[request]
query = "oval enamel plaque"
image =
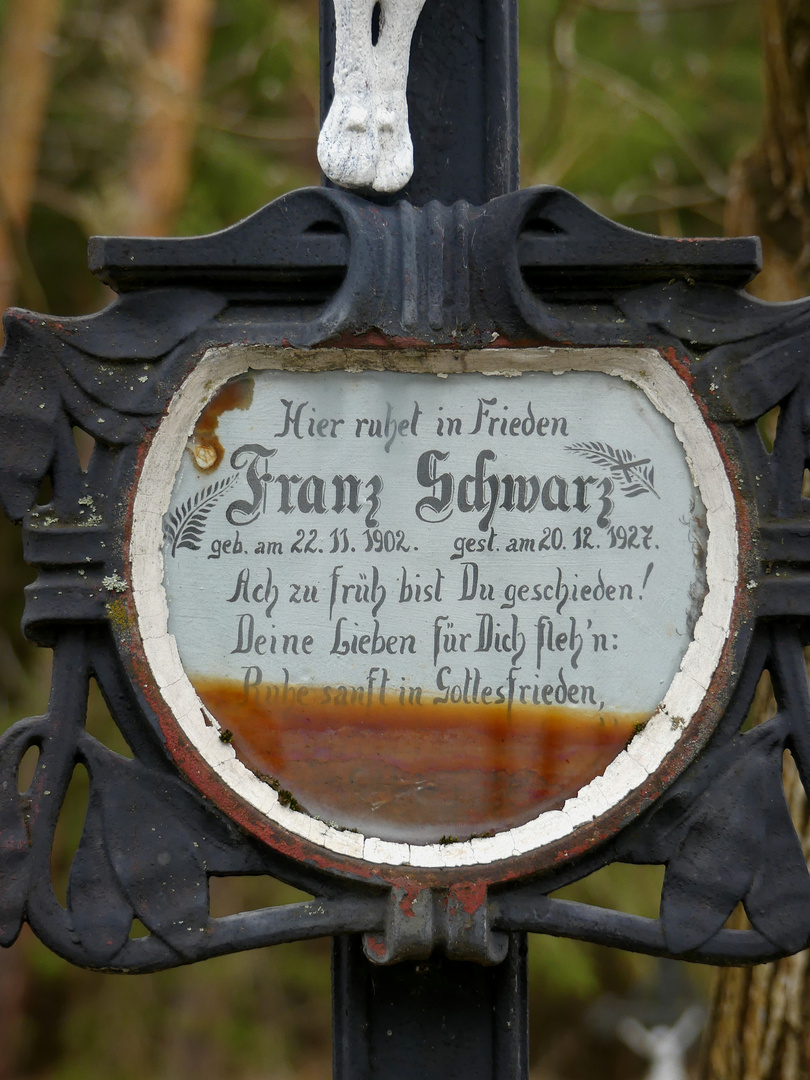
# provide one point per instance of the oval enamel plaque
(438, 615)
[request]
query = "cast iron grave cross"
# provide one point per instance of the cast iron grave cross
(428, 559)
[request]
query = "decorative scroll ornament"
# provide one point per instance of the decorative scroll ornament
(320, 270)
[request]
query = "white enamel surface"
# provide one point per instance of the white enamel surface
(365, 141)
(646, 752)
(639, 660)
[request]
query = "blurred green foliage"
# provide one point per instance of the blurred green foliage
(638, 107)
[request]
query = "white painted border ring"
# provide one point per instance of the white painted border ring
(647, 751)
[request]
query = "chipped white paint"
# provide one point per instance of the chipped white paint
(647, 750)
(384, 853)
(365, 141)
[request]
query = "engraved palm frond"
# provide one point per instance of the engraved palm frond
(636, 476)
(184, 526)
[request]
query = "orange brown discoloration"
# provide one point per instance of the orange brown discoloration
(205, 448)
(419, 773)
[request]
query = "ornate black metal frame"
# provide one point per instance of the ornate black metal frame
(320, 267)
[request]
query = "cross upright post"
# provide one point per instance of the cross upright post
(436, 1018)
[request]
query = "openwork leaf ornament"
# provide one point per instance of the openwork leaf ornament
(100, 911)
(15, 837)
(725, 835)
(635, 476)
(184, 527)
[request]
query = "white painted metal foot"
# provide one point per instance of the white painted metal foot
(365, 141)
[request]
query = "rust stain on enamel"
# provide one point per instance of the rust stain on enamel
(421, 773)
(205, 448)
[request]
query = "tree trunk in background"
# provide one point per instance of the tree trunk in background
(29, 29)
(770, 187)
(759, 1028)
(160, 162)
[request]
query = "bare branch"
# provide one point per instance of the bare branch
(639, 7)
(643, 100)
(170, 90)
(250, 127)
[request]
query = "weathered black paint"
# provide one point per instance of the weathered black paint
(429, 1019)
